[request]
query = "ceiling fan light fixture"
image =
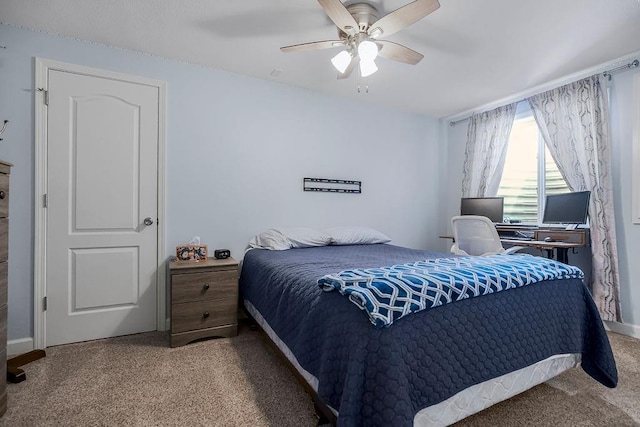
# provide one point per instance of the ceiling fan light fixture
(341, 61)
(367, 50)
(360, 27)
(367, 67)
(376, 32)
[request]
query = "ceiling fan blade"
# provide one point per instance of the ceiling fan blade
(402, 17)
(398, 52)
(340, 15)
(350, 68)
(325, 44)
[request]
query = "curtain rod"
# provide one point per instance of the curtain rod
(607, 74)
(632, 64)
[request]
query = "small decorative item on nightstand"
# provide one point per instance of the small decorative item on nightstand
(192, 251)
(204, 300)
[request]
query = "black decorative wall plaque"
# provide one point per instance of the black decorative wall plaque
(331, 185)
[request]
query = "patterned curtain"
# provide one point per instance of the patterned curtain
(487, 137)
(574, 122)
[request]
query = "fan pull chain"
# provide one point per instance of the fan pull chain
(366, 89)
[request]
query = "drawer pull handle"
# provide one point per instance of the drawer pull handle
(1, 194)
(205, 314)
(206, 287)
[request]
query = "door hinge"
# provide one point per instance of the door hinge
(46, 95)
(45, 200)
(44, 304)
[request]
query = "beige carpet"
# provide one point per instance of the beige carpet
(139, 381)
(574, 398)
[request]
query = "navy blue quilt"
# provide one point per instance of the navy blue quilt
(382, 377)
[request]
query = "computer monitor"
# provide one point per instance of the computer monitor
(491, 207)
(566, 208)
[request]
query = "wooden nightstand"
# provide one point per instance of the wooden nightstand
(204, 300)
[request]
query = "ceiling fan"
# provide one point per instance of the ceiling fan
(359, 30)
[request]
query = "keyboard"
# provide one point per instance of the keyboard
(515, 225)
(522, 238)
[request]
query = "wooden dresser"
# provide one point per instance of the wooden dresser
(5, 168)
(204, 300)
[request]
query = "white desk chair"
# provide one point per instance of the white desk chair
(477, 235)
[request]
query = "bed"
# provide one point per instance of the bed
(432, 367)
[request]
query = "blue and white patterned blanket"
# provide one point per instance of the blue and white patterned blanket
(390, 293)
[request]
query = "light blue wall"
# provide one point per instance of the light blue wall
(237, 150)
(628, 234)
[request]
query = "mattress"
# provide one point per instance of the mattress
(389, 376)
(463, 404)
(481, 396)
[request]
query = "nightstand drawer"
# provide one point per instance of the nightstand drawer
(203, 314)
(203, 286)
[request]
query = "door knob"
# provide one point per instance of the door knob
(148, 221)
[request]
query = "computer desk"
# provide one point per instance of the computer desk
(562, 240)
(561, 248)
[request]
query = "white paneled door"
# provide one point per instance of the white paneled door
(101, 239)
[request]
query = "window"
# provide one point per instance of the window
(529, 173)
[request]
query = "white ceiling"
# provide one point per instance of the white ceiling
(475, 52)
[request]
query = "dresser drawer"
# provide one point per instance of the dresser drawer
(203, 314)
(3, 326)
(4, 239)
(4, 195)
(3, 390)
(3, 286)
(203, 286)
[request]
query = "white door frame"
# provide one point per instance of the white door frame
(40, 226)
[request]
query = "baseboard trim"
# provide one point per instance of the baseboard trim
(24, 345)
(623, 328)
(19, 346)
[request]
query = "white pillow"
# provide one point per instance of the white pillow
(303, 237)
(355, 236)
(286, 238)
(270, 239)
